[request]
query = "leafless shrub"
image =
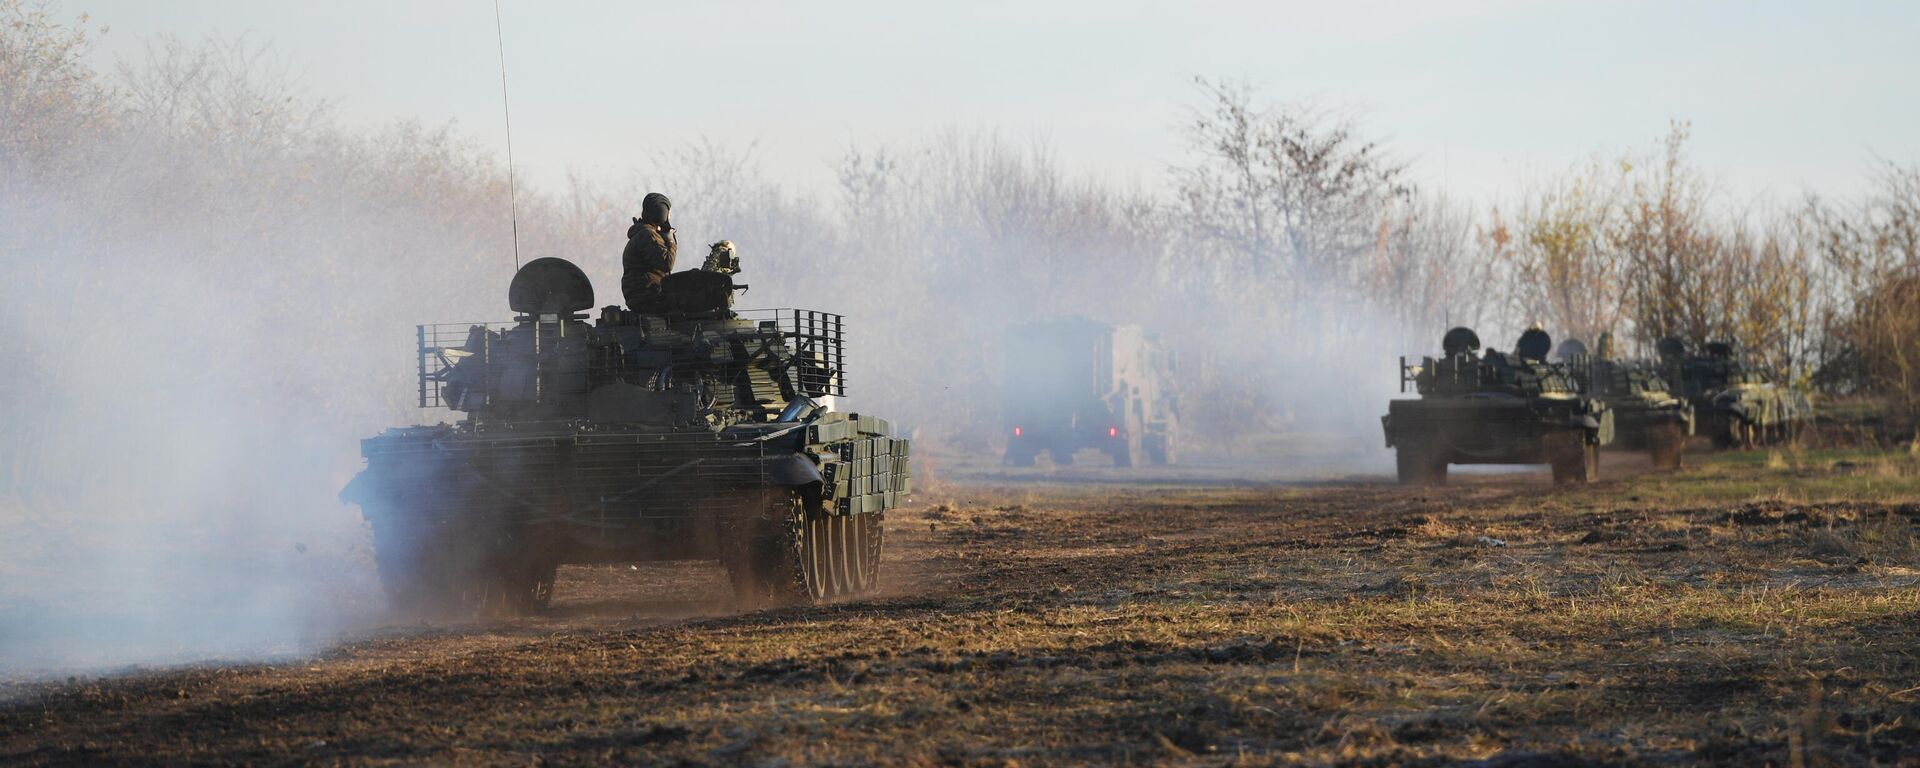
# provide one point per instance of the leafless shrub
(1871, 319)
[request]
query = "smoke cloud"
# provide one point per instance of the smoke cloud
(211, 287)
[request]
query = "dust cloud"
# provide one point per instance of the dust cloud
(208, 299)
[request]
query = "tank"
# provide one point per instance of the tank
(1736, 404)
(1648, 414)
(1496, 408)
(703, 433)
(1074, 384)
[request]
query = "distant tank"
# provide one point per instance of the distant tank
(1737, 405)
(1647, 413)
(1496, 408)
(701, 433)
(1074, 384)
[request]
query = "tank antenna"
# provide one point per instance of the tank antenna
(513, 202)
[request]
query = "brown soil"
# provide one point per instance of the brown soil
(1501, 620)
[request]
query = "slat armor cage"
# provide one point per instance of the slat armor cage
(816, 339)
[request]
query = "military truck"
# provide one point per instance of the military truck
(1074, 384)
(1736, 404)
(1648, 414)
(1494, 409)
(702, 433)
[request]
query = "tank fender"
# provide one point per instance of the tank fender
(1598, 426)
(793, 470)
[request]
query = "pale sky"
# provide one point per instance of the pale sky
(1481, 95)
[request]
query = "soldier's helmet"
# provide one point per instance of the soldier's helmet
(1534, 344)
(1671, 346)
(1603, 349)
(1460, 341)
(722, 258)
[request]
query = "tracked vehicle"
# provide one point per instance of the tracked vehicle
(1648, 414)
(1737, 405)
(703, 433)
(1494, 409)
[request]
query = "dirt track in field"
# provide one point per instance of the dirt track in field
(1039, 623)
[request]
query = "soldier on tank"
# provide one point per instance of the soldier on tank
(648, 258)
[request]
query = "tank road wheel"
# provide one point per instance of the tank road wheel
(858, 547)
(1574, 460)
(1665, 444)
(775, 553)
(820, 560)
(850, 553)
(868, 530)
(1420, 465)
(783, 554)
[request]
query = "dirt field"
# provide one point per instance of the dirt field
(1756, 609)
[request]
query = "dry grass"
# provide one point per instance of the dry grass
(1736, 613)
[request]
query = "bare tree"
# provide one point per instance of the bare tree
(1673, 255)
(1871, 316)
(1285, 194)
(1562, 271)
(51, 102)
(1426, 272)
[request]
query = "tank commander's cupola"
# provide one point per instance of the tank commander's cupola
(1534, 344)
(550, 287)
(1460, 341)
